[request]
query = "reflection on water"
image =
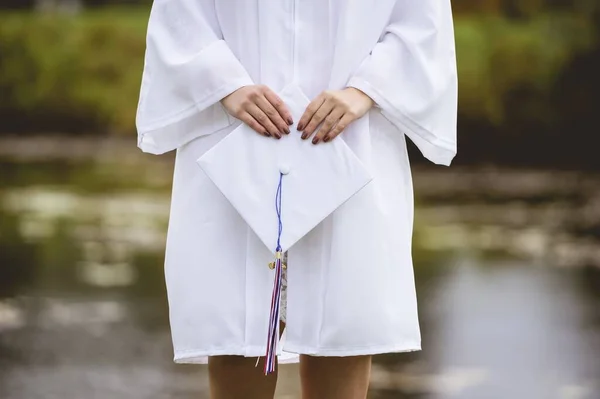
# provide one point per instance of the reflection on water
(507, 330)
(83, 310)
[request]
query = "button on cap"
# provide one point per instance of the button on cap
(284, 169)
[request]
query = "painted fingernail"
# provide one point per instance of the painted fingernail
(315, 141)
(290, 121)
(278, 136)
(267, 134)
(304, 136)
(326, 139)
(287, 130)
(300, 127)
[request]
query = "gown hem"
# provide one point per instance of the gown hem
(291, 352)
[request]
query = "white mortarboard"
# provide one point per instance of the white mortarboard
(283, 188)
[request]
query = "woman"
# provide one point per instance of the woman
(375, 71)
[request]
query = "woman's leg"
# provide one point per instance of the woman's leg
(236, 377)
(335, 377)
(233, 377)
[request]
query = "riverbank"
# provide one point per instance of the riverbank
(550, 217)
(528, 91)
(504, 258)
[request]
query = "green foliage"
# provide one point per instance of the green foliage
(82, 73)
(497, 56)
(67, 73)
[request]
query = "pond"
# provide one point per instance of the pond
(507, 267)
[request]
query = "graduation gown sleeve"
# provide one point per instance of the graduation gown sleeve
(188, 68)
(411, 75)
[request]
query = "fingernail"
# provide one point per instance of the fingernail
(290, 121)
(326, 139)
(315, 141)
(287, 130)
(267, 134)
(304, 137)
(300, 127)
(278, 136)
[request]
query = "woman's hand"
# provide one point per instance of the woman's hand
(335, 110)
(261, 109)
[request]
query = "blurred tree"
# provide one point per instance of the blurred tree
(522, 9)
(69, 6)
(525, 80)
(576, 97)
(17, 4)
(97, 3)
(477, 6)
(61, 4)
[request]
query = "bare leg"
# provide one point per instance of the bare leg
(238, 377)
(235, 377)
(335, 377)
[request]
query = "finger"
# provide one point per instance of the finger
(310, 111)
(330, 121)
(339, 127)
(273, 114)
(264, 120)
(279, 105)
(318, 117)
(253, 123)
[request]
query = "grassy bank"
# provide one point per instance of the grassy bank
(74, 74)
(81, 73)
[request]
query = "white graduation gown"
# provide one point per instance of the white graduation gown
(350, 289)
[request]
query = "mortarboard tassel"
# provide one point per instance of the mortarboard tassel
(278, 266)
(273, 336)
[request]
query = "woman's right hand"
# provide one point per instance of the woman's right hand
(261, 109)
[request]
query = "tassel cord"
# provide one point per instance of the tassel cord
(278, 210)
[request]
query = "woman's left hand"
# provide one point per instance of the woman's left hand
(335, 110)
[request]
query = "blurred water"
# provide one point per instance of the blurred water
(507, 273)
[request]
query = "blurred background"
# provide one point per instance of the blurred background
(506, 245)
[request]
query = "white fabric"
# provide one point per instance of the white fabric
(350, 280)
(331, 171)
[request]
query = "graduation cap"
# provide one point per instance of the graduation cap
(283, 188)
